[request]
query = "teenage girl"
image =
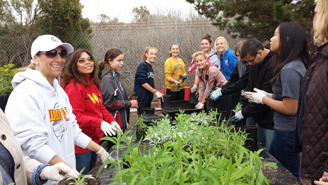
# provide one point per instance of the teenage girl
(292, 57)
(227, 56)
(212, 57)
(112, 89)
(144, 85)
(210, 78)
(175, 74)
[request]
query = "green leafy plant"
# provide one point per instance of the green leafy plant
(238, 107)
(192, 152)
(6, 75)
(80, 179)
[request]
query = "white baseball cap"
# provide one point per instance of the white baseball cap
(47, 43)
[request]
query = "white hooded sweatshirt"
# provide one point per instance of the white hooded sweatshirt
(42, 120)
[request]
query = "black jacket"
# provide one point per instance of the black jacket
(236, 82)
(115, 97)
(259, 77)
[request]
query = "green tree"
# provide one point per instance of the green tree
(140, 14)
(255, 18)
(63, 18)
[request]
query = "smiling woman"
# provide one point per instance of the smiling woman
(81, 84)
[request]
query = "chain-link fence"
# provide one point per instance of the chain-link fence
(132, 40)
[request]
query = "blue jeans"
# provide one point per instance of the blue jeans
(250, 121)
(282, 149)
(87, 160)
(264, 136)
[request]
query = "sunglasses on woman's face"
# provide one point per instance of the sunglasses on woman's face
(83, 59)
(53, 53)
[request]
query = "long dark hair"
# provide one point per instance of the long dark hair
(293, 44)
(110, 54)
(71, 71)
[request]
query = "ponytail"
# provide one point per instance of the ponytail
(101, 67)
(110, 54)
(144, 57)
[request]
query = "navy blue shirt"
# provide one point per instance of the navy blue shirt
(144, 74)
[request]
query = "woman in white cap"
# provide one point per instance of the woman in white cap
(39, 111)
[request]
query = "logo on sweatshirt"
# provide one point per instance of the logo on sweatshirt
(58, 117)
(57, 114)
(94, 98)
(150, 74)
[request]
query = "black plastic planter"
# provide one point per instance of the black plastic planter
(251, 142)
(192, 98)
(167, 100)
(145, 110)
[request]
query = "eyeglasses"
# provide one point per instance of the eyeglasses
(251, 61)
(53, 53)
(83, 59)
(313, 13)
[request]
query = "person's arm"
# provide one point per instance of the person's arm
(149, 88)
(287, 106)
(201, 90)
(108, 88)
(196, 82)
(290, 86)
(238, 85)
(213, 74)
(254, 108)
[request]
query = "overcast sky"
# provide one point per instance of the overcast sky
(122, 9)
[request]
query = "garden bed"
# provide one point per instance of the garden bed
(181, 156)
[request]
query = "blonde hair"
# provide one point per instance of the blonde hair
(30, 66)
(225, 40)
(196, 54)
(320, 36)
(147, 49)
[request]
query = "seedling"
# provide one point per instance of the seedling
(238, 107)
(80, 179)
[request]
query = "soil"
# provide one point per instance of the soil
(94, 181)
(279, 177)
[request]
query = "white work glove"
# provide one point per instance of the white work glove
(270, 95)
(215, 95)
(256, 97)
(104, 155)
(177, 83)
(159, 95)
(108, 129)
(53, 172)
(199, 105)
(193, 89)
(117, 126)
(238, 116)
